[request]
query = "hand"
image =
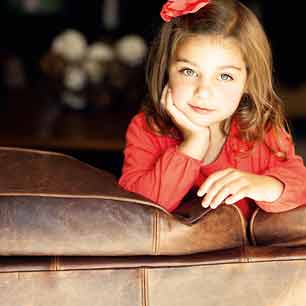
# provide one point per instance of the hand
(182, 122)
(231, 185)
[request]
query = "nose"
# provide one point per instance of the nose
(203, 90)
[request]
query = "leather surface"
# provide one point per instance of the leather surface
(72, 288)
(64, 263)
(41, 173)
(219, 229)
(258, 276)
(279, 229)
(246, 254)
(71, 226)
(52, 204)
(252, 284)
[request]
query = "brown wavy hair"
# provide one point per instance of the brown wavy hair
(260, 109)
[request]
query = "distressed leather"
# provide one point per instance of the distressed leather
(52, 204)
(279, 229)
(70, 236)
(251, 275)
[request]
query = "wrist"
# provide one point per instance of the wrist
(195, 147)
(277, 188)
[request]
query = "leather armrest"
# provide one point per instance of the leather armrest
(53, 204)
(279, 229)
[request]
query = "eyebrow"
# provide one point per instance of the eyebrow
(219, 67)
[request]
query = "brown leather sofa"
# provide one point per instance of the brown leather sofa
(71, 236)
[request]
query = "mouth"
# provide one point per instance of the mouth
(201, 110)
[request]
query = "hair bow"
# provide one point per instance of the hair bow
(175, 8)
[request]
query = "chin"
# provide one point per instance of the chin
(200, 121)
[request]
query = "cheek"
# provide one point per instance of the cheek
(233, 97)
(181, 92)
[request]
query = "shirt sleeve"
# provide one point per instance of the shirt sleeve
(290, 171)
(158, 172)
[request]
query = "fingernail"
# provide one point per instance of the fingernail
(204, 205)
(228, 202)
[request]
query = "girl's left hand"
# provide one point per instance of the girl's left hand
(231, 185)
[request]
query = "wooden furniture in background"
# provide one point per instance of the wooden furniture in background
(30, 120)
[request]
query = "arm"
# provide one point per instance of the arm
(291, 172)
(155, 168)
(278, 186)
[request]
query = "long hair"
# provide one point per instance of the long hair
(260, 109)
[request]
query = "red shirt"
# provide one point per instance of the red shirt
(154, 168)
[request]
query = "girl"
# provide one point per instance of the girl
(212, 120)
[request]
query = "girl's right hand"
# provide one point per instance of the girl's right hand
(196, 138)
(189, 129)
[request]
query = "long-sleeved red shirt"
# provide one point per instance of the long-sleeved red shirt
(154, 168)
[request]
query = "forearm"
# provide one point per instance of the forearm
(290, 171)
(166, 182)
(294, 192)
(195, 147)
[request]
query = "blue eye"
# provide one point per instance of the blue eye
(188, 72)
(225, 77)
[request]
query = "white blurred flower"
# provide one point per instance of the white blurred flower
(94, 70)
(73, 100)
(131, 49)
(75, 78)
(70, 44)
(100, 51)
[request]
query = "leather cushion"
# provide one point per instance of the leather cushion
(53, 204)
(279, 229)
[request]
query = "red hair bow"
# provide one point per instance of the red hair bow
(175, 8)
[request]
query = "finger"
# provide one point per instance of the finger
(212, 179)
(170, 108)
(217, 200)
(168, 98)
(169, 105)
(239, 195)
(229, 189)
(164, 95)
(177, 116)
(220, 189)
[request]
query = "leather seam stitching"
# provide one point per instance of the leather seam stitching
(243, 223)
(141, 277)
(252, 226)
(154, 238)
(92, 196)
(157, 233)
(244, 235)
(146, 286)
(144, 291)
(57, 263)
(54, 264)
(143, 287)
(40, 152)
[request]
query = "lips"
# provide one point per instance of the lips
(201, 110)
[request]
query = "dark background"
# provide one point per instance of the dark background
(29, 35)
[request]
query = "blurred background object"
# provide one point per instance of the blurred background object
(102, 75)
(72, 71)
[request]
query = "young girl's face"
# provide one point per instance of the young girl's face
(207, 75)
